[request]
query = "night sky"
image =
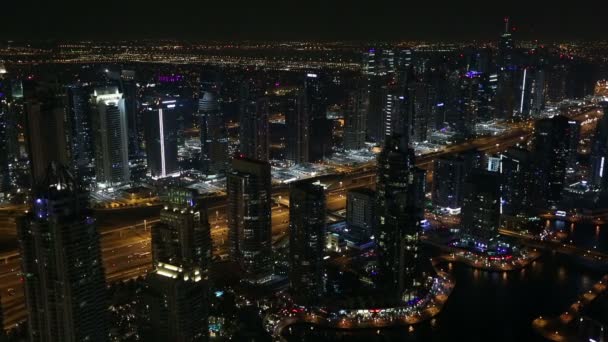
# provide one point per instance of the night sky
(297, 19)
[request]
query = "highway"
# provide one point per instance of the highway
(126, 250)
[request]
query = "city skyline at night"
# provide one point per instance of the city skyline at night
(303, 172)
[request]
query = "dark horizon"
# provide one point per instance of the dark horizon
(114, 20)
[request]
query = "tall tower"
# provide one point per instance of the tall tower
(482, 206)
(506, 98)
(79, 125)
(249, 196)
(398, 225)
(214, 142)
(160, 123)
(355, 118)
(46, 131)
(8, 131)
(129, 90)
(111, 138)
(177, 295)
(555, 143)
(599, 153)
(315, 106)
(254, 127)
(306, 241)
(61, 261)
(448, 182)
(298, 127)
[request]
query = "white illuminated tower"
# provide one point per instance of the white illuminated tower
(111, 138)
(160, 123)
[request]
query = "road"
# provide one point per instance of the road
(126, 250)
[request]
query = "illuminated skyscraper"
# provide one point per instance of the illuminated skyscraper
(398, 226)
(481, 204)
(214, 142)
(306, 241)
(249, 225)
(61, 262)
(79, 126)
(298, 128)
(315, 106)
(129, 89)
(448, 182)
(8, 134)
(177, 295)
(111, 137)
(505, 100)
(555, 144)
(599, 153)
(355, 119)
(516, 166)
(254, 128)
(160, 123)
(360, 211)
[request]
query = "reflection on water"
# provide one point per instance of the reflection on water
(486, 306)
(583, 234)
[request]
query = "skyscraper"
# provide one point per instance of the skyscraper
(160, 123)
(46, 131)
(505, 101)
(79, 126)
(8, 136)
(419, 109)
(61, 261)
(360, 211)
(306, 241)
(398, 220)
(249, 225)
(111, 137)
(448, 182)
(516, 166)
(298, 127)
(129, 89)
(177, 295)
(254, 129)
(315, 106)
(355, 118)
(214, 142)
(599, 153)
(555, 143)
(481, 205)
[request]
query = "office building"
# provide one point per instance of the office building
(306, 241)
(177, 291)
(481, 205)
(355, 117)
(398, 220)
(249, 225)
(61, 262)
(214, 142)
(128, 88)
(599, 153)
(360, 212)
(315, 106)
(80, 133)
(160, 130)
(254, 128)
(298, 128)
(45, 129)
(516, 188)
(448, 182)
(111, 136)
(555, 143)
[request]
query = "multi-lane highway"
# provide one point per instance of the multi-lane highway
(126, 250)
